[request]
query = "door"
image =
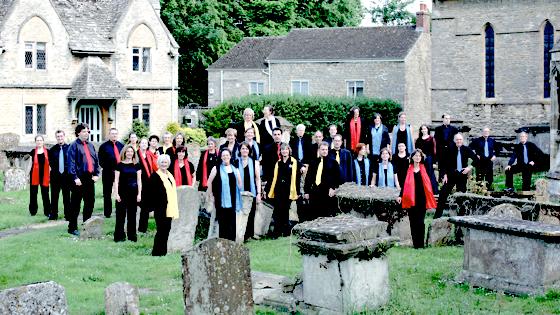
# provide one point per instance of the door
(91, 115)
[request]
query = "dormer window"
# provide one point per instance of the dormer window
(141, 59)
(35, 55)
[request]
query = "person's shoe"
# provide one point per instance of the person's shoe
(75, 232)
(53, 217)
(508, 190)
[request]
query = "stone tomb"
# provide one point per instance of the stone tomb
(181, 235)
(217, 278)
(344, 264)
(44, 298)
(510, 255)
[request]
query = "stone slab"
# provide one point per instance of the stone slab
(506, 210)
(45, 298)
(217, 278)
(181, 235)
(92, 229)
(401, 229)
(340, 229)
(440, 232)
(121, 298)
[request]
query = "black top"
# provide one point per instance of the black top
(217, 189)
(234, 151)
(266, 138)
(443, 136)
(376, 171)
(246, 178)
(427, 145)
(269, 158)
(466, 154)
(401, 136)
(330, 177)
(41, 160)
(346, 166)
(306, 145)
(284, 179)
(127, 175)
(54, 153)
(158, 195)
(213, 160)
(533, 153)
(401, 167)
(183, 171)
(362, 167)
(107, 158)
(478, 144)
(77, 160)
(419, 193)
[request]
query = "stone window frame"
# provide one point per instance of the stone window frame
(142, 65)
(292, 82)
(354, 93)
(545, 65)
(34, 126)
(141, 109)
(31, 48)
(259, 86)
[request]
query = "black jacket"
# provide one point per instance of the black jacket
(443, 144)
(466, 154)
(54, 155)
(107, 158)
(213, 160)
(533, 153)
(307, 148)
(346, 167)
(266, 138)
(157, 193)
(330, 177)
(477, 145)
(77, 161)
(269, 159)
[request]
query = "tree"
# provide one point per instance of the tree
(207, 29)
(392, 12)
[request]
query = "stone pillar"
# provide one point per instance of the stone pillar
(181, 235)
(344, 265)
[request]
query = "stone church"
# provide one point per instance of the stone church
(104, 62)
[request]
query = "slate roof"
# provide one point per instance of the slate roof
(250, 53)
(95, 81)
(346, 43)
(5, 6)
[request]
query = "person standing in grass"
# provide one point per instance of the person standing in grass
(400, 162)
(322, 178)
(183, 169)
(39, 176)
(59, 176)
(128, 193)
(109, 157)
(417, 196)
(163, 199)
(83, 167)
(224, 187)
(148, 163)
(208, 159)
(525, 155)
(250, 172)
(363, 168)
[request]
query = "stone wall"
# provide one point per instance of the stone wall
(235, 83)
(417, 99)
(458, 55)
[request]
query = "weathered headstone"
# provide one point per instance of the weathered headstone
(15, 179)
(217, 278)
(344, 265)
(548, 219)
(214, 226)
(541, 191)
(401, 229)
(45, 298)
(92, 228)
(263, 217)
(7, 141)
(440, 232)
(181, 235)
(510, 255)
(121, 298)
(242, 217)
(506, 210)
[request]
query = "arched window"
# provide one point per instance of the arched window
(548, 44)
(489, 61)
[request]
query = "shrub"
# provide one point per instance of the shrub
(316, 112)
(196, 135)
(139, 128)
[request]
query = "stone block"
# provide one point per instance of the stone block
(92, 228)
(45, 298)
(401, 229)
(263, 217)
(440, 232)
(15, 179)
(121, 298)
(505, 210)
(514, 256)
(181, 235)
(548, 219)
(242, 217)
(217, 278)
(541, 193)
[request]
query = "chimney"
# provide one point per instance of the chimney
(423, 19)
(157, 6)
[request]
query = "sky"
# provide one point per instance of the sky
(412, 8)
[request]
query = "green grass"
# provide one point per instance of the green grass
(500, 180)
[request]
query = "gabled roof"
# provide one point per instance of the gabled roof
(250, 53)
(95, 81)
(346, 43)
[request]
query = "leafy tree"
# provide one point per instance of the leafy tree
(207, 29)
(392, 12)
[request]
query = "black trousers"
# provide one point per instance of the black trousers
(144, 218)
(453, 179)
(321, 205)
(526, 171)
(417, 229)
(226, 219)
(126, 211)
(163, 226)
(60, 183)
(281, 215)
(108, 178)
(485, 171)
(33, 191)
(85, 192)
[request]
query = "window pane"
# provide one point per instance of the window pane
(41, 119)
(305, 88)
(29, 59)
(548, 44)
(260, 88)
(135, 111)
(146, 60)
(489, 66)
(146, 114)
(359, 91)
(29, 119)
(360, 84)
(41, 56)
(135, 63)
(295, 87)
(252, 88)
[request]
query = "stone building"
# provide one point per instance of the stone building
(386, 62)
(104, 62)
(491, 62)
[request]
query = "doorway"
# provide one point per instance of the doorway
(91, 115)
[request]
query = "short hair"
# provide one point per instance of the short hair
(300, 126)
(182, 149)
(231, 131)
(400, 114)
(524, 133)
(421, 154)
(276, 128)
(59, 131)
(285, 145)
(80, 127)
(212, 139)
(153, 137)
(249, 111)
(113, 128)
(142, 139)
(225, 150)
(359, 146)
(385, 150)
(445, 114)
(123, 153)
(375, 115)
(250, 128)
(167, 133)
(247, 145)
(39, 136)
(333, 125)
(270, 108)
(162, 158)
(324, 144)
(457, 135)
(337, 135)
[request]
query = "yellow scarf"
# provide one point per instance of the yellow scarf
(338, 156)
(257, 133)
(293, 191)
(172, 210)
(319, 173)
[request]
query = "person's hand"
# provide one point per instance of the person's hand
(532, 163)
(306, 196)
(138, 198)
(302, 169)
(78, 182)
(508, 168)
(493, 158)
(95, 178)
(466, 170)
(444, 179)
(331, 192)
(399, 199)
(259, 198)
(117, 197)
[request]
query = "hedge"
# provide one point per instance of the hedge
(315, 112)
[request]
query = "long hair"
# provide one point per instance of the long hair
(123, 153)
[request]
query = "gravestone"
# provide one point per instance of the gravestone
(121, 298)
(44, 298)
(7, 141)
(344, 265)
(506, 210)
(217, 278)
(541, 191)
(15, 179)
(242, 217)
(440, 232)
(510, 255)
(181, 235)
(263, 217)
(92, 229)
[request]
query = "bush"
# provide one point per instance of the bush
(316, 112)
(196, 135)
(139, 128)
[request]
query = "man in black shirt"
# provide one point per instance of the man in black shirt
(525, 153)
(444, 141)
(271, 154)
(485, 148)
(59, 176)
(322, 178)
(344, 159)
(109, 157)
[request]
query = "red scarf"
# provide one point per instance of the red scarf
(177, 173)
(116, 152)
(408, 198)
(35, 169)
(205, 168)
(355, 132)
(88, 157)
(145, 164)
(152, 159)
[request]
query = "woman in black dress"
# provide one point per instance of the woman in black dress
(231, 143)
(39, 176)
(402, 133)
(224, 186)
(401, 162)
(183, 169)
(250, 172)
(363, 168)
(427, 144)
(148, 163)
(128, 193)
